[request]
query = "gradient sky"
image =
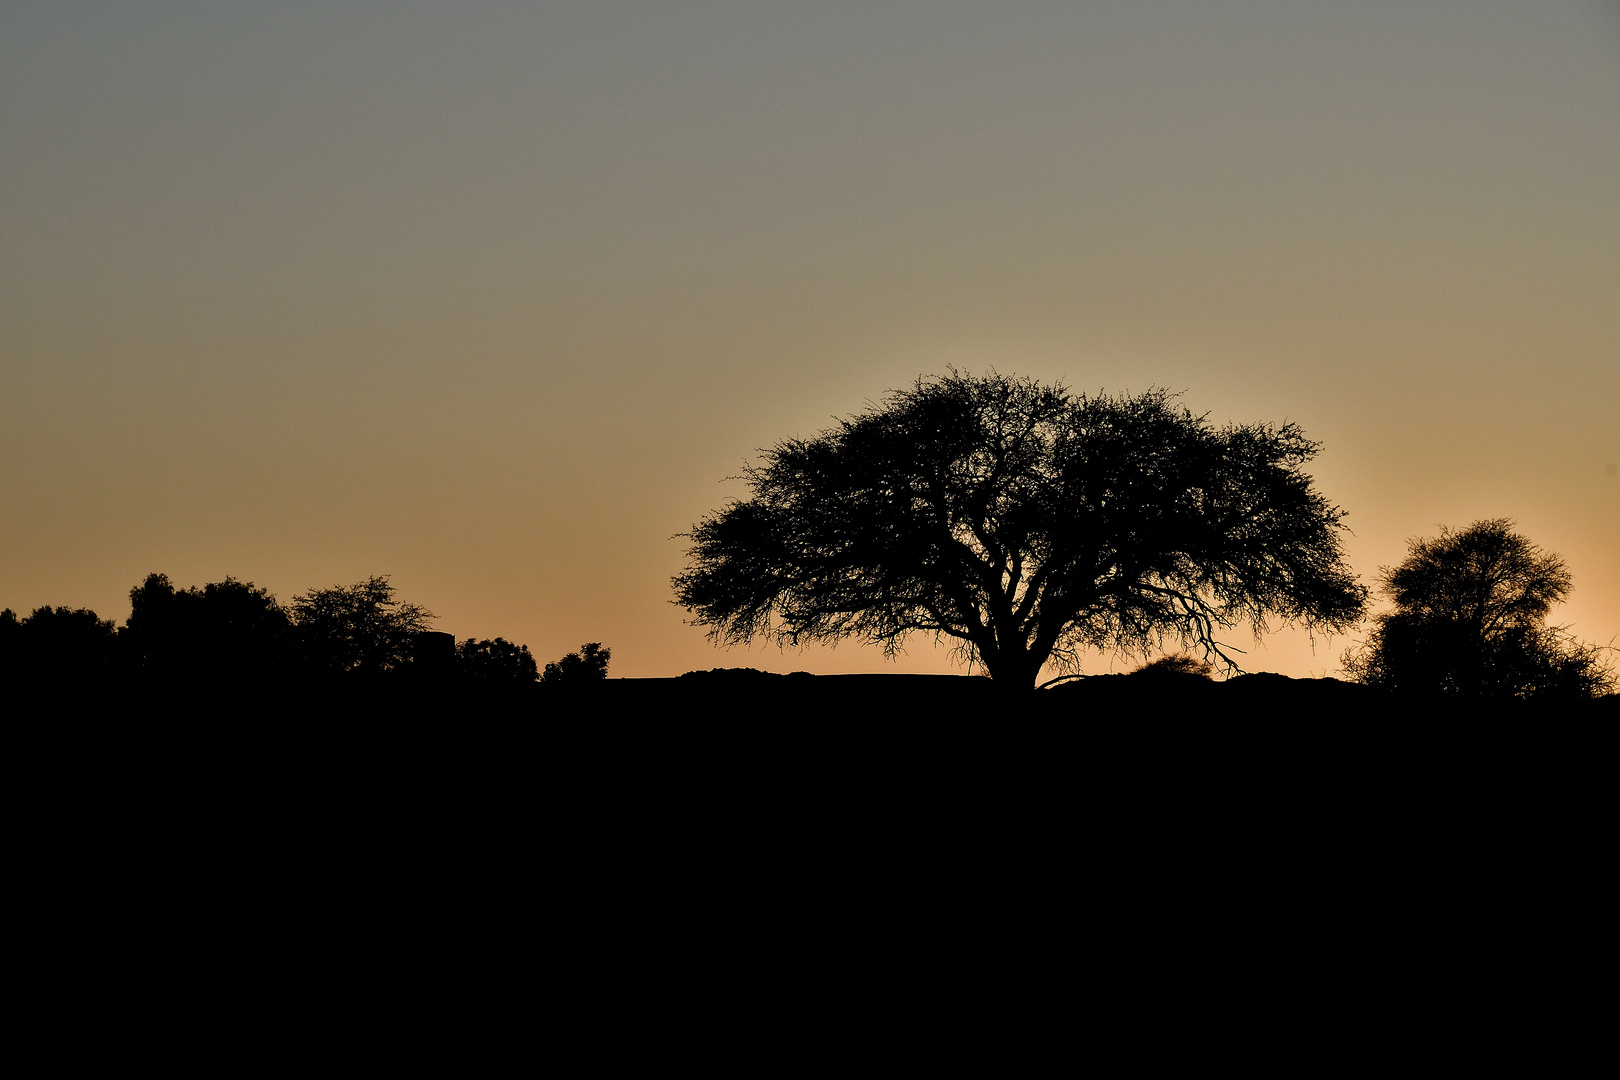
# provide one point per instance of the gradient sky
(491, 297)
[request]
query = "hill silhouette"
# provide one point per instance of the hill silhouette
(617, 836)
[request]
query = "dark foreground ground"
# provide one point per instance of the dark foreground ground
(630, 840)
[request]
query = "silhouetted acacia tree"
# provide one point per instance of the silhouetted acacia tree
(496, 660)
(1024, 523)
(590, 663)
(359, 629)
(225, 630)
(1470, 621)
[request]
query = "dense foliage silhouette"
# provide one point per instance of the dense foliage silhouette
(225, 630)
(588, 665)
(496, 661)
(204, 644)
(1024, 523)
(72, 648)
(1176, 666)
(1470, 621)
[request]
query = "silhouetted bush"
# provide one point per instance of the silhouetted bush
(1469, 621)
(590, 663)
(496, 660)
(1178, 666)
(741, 674)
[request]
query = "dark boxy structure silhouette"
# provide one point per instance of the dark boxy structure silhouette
(433, 654)
(1023, 523)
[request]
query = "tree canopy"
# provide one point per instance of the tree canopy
(590, 664)
(360, 628)
(1469, 620)
(202, 640)
(224, 630)
(495, 660)
(1024, 523)
(69, 647)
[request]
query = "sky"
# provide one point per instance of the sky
(493, 297)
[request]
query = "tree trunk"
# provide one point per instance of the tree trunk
(1014, 671)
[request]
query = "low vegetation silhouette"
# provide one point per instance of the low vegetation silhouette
(495, 661)
(1469, 621)
(1178, 665)
(1024, 523)
(588, 665)
(232, 633)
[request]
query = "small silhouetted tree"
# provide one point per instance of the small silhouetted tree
(1024, 523)
(495, 660)
(1469, 621)
(590, 663)
(361, 629)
